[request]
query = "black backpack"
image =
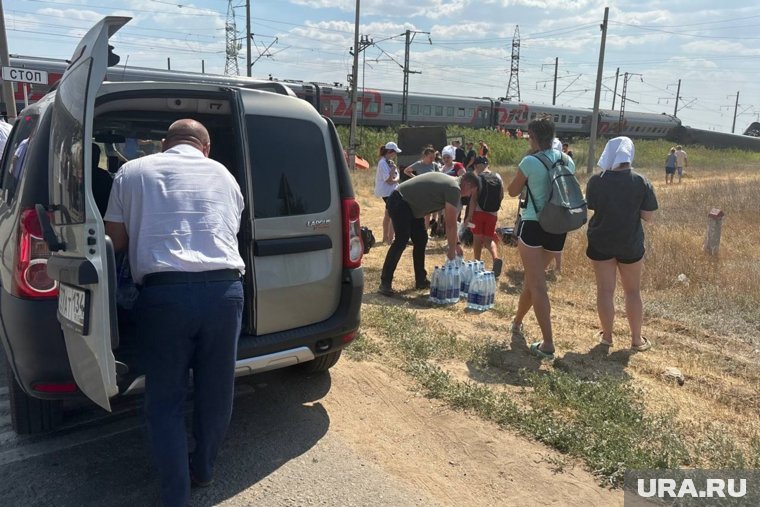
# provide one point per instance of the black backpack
(490, 192)
(368, 239)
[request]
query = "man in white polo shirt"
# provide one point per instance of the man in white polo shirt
(178, 214)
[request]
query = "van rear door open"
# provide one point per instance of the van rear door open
(82, 261)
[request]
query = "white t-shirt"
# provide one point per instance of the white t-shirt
(5, 130)
(181, 211)
(382, 187)
(681, 158)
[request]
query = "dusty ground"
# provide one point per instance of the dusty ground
(462, 460)
(449, 456)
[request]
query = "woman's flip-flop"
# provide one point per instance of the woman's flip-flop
(534, 349)
(642, 347)
(602, 341)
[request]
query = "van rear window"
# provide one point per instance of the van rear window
(291, 175)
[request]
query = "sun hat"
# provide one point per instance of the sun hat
(392, 146)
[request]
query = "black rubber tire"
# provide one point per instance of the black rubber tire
(321, 363)
(31, 415)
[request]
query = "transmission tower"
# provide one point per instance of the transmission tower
(513, 88)
(232, 44)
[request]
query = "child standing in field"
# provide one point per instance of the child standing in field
(670, 166)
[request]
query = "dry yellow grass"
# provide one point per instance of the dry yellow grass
(708, 329)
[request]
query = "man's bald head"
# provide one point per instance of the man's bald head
(187, 131)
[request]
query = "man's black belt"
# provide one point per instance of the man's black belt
(174, 277)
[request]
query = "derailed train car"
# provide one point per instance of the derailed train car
(711, 139)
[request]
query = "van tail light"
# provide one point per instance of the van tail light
(352, 234)
(31, 279)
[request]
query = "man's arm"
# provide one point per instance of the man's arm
(450, 215)
(118, 233)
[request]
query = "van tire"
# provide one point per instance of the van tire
(30, 415)
(321, 363)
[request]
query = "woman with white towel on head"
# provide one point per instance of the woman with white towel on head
(621, 199)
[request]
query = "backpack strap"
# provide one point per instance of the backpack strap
(543, 159)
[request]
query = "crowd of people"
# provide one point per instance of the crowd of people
(619, 197)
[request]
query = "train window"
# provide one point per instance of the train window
(372, 107)
(399, 108)
(562, 120)
(556, 118)
(449, 111)
(427, 110)
(415, 109)
(439, 110)
(387, 108)
(577, 119)
(460, 112)
(470, 112)
(532, 116)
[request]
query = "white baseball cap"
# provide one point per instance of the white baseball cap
(392, 146)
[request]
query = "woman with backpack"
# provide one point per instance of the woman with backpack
(536, 247)
(621, 199)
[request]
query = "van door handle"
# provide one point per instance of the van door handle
(48, 234)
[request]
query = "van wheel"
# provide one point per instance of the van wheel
(321, 363)
(31, 415)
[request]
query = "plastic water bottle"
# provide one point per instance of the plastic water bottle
(471, 296)
(455, 283)
(449, 290)
(466, 276)
(491, 290)
(435, 283)
(475, 296)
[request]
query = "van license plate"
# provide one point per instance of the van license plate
(73, 308)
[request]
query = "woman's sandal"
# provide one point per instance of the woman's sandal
(602, 341)
(535, 350)
(642, 347)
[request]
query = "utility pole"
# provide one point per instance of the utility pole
(597, 94)
(513, 87)
(614, 92)
(410, 34)
(622, 101)
(678, 94)
(354, 85)
(736, 108)
(622, 105)
(8, 96)
(554, 93)
(231, 44)
(248, 63)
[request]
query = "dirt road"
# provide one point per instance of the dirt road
(356, 437)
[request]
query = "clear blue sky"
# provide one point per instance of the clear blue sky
(711, 46)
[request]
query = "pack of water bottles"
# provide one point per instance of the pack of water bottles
(445, 284)
(459, 279)
(482, 291)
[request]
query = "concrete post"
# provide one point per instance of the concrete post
(712, 238)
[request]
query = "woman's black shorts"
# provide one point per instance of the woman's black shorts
(533, 236)
(595, 255)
